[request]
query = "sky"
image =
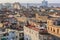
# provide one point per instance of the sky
(29, 1)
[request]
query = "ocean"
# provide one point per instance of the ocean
(39, 4)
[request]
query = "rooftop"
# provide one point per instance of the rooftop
(40, 29)
(32, 27)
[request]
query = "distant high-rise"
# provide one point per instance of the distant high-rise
(1, 6)
(44, 3)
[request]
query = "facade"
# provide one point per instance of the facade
(53, 27)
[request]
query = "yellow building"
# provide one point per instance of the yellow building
(21, 19)
(53, 27)
(41, 18)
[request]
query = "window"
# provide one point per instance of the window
(53, 30)
(48, 28)
(32, 32)
(44, 39)
(56, 23)
(36, 34)
(29, 31)
(26, 38)
(57, 30)
(21, 34)
(30, 39)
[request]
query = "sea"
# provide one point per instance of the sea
(39, 4)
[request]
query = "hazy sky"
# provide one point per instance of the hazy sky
(29, 1)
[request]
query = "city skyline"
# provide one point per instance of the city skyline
(29, 1)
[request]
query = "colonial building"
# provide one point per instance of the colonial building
(53, 27)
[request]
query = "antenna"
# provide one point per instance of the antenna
(43, 0)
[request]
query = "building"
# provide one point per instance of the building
(44, 3)
(54, 14)
(21, 19)
(19, 34)
(16, 5)
(41, 18)
(53, 27)
(32, 32)
(11, 34)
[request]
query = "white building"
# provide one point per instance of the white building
(32, 32)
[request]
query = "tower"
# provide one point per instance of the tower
(44, 3)
(16, 5)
